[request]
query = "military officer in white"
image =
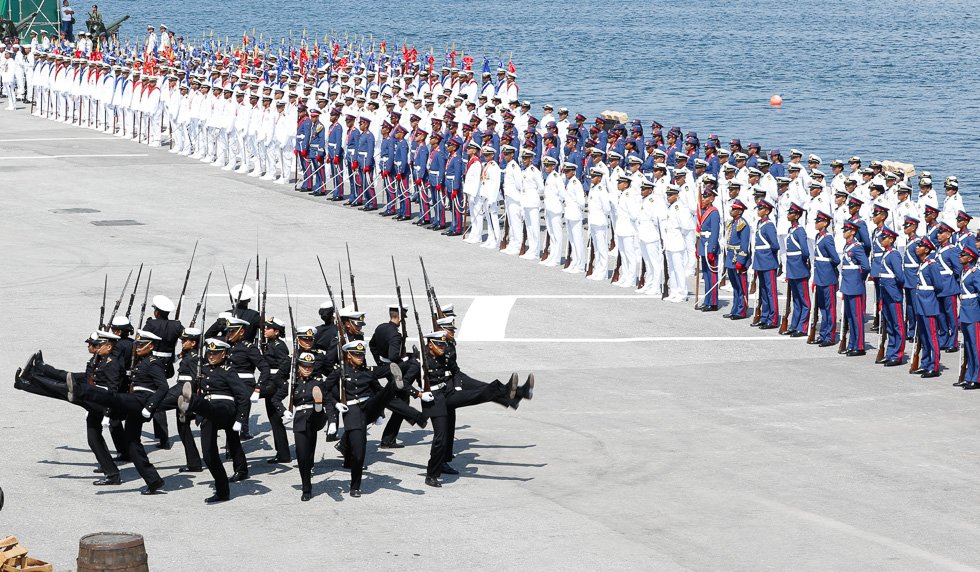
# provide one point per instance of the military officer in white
(953, 203)
(649, 237)
(598, 201)
(905, 208)
(513, 192)
(554, 206)
(677, 220)
(574, 199)
(472, 178)
(927, 195)
(532, 189)
(489, 197)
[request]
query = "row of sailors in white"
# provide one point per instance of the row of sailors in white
(14, 65)
(455, 83)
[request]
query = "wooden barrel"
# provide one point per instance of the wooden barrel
(111, 551)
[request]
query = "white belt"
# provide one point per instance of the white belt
(797, 253)
(138, 388)
(385, 360)
(218, 397)
(925, 287)
(967, 296)
(706, 233)
(102, 386)
(437, 386)
(303, 407)
(850, 266)
(185, 378)
(822, 258)
(246, 376)
(274, 371)
(358, 400)
(910, 265)
(163, 354)
(945, 272)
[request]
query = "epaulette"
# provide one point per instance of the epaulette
(741, 224)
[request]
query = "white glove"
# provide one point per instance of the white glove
(237, 427)
(380, 420)
(254, 398)
(146, 413)
(427, 396)
(287, 416)
(332, 429)
(105, 421)
(342, 408)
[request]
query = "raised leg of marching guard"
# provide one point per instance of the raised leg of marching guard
(708, 246)
(927, 309)
(947, 257)
(765, 262)
(854, 273)
(222, 402)
(825, 280)
(970, 316)
(360, 399)
(891, 281)
(309, 417)
(797, 273)
(737, 260)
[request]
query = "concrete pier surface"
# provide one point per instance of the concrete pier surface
(659, 438)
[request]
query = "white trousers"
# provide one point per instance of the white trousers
(600, 243)
(677, 268)
(532, 222)
(556, 236)
(652, 253)
(577, 239)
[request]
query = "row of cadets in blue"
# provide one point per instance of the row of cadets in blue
(401, 171)
(765, 261)
(317, 150)
(927, 310)
(709, 229)
(387, 165)
(335, 153)
(798, 272)
(303, 130)
(825, 280)
(737, 260)
(970, 315)
(910, 265)
(948, 258)
(891, 284)
(854, 270)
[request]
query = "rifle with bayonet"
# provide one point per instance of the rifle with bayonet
(200, 303)
(423, 347)
(340, 342)
(105, 287)
(187, 276)
(293, 357)
(132, 295)
(340, 280)
(119, 300)
(350, 273)
(431, 291)
(146, 296)
(401, 316)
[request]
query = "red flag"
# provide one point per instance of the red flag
(467, 63)
(510, 67)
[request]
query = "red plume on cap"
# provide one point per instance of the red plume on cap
(510, 67)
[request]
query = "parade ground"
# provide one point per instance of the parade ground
(659, 438)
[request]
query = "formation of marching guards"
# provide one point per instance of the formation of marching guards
(322, 381)
(646, 206)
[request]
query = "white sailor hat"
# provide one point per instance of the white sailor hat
(511, 149)
(216, 345)
(680, 154)
(102, 335)
(889, 175)
(793, 152)
(794, 167)
(700, 163)
(816, 184)
(659, 152)
(275, 323)
(741, 156)
(729, 167)
(569, 166)
(232, 322)
(306, 359)
(147, 336)
(241, 292)
(488, 149)
(326, 305)
(306, 332)
(624, 179)
(925, 182)
(546, 159)
(614, 155)
(448, 323)
(595, 172)
(811, 158)
(755, 172)
(473, 145)
(355, 346)
(120, 322)
(393, 307)
(660, 165)
(191, 332)
(350, 312)
(163, 304)
(634, 160)
(224, 315)
(438, 337)
(93, 338)
(449, 309)
(673, 189)
(854, 159)
(817, 173)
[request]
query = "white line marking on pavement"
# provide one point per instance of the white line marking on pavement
(486, 319)
(32, 157)
(106, 138)
(648, 339)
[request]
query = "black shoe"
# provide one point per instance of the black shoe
(215, 499)
(332, 437)
(726, 315)
(186, 469)
(959, 384)
(238, 476)
(152, 488)
(278, 461)
(785, 333)
(709, 309)
(755, 324)
(452, 233)
(164, 444)
(952, 350)
(971, 385)
(98, 470)
(356, 493)
(18, 382)
(305, 497)
(892, 362)
(827, 344)
(121, 459)
(512, 387)
(433, 482)
(797, 335)
(736, 318)
(528, 388)
(390, 445)
(855, 353)
(448, 469)
(918, 371)
(767, 327)
(108, 481)
(246, 436)
(370, 209)
(929, 374)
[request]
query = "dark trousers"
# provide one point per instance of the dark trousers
(137, 453)
(279, 438)
(161, 429)
(96, 442)
(355, 431)
(129, 406)
(441, 441)
(306, 448)
(479, 393)
(193, 458)
(399, 406)
(394, 424)
(219, 415)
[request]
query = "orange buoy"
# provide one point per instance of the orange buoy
(775, 101)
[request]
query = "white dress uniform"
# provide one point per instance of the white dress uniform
(677, 221)
(653, 211)
(554, 210)
(513, 192)
(627, 212)
(951, 206)
(598, 202)
(904, 209)
(471, 189)
(574, 199)
(489, 199)
(8, 76)
(531, 191)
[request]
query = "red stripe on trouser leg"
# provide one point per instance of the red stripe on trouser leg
(934, 342)
(775, 299)
(901, 330)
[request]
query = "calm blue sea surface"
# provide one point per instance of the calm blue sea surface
(883, 80)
